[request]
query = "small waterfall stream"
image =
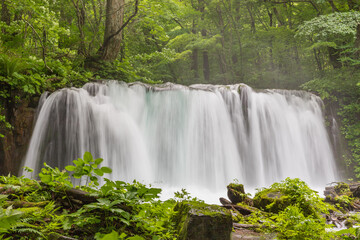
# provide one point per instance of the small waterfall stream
(202, 136)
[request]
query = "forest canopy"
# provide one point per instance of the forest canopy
(278, 44)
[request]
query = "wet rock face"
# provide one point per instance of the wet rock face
(200, 221)
(14, 145)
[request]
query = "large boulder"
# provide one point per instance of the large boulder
(271, 200)
(200, 221)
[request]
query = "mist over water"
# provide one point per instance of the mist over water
(200, 137)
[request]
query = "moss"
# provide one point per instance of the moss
(343, 202)
(270, 200)
(196, 220)
(237, 187)
(349, 223)
(250, 208)
(342, 189)
(236, 193)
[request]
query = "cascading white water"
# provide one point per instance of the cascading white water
(202, 136)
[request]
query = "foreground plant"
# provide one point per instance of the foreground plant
(291, 210)
(49, 209)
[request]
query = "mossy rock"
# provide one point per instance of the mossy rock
(270, 200)
(200, 221)
(236, 193)
(342, 189)
(246, 206)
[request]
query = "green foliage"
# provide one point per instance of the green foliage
(124, 206)
(54, 177)
(154, 219)
(122, 210)
(8, 219)
(338, 27)
(294, 192)
(103, 214)
(110, 236)
(89, 168)
(348, 234)
(340, 87)
(292, 224)
(135, 192)
(300, 218)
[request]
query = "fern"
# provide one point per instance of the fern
(29, 232)
(9, 66)
(27, 220)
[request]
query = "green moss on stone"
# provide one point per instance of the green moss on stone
(270, 200)
(236, 193)
(197, 221)
(342, 189)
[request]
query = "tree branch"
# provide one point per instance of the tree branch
(41, 43)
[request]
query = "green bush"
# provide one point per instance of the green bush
(291, 192)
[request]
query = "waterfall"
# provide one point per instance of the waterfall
(202, 136)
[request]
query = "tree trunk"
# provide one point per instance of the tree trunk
(5, 14)
(195, 63)
(334, 8)
(278, 17)
(195, 57)
(222, 53)
(206, 65)
(317, 58)
(357, 41)
(253, 28)
(271, 42)
(351, 4)
(114, 21)
(334, 56)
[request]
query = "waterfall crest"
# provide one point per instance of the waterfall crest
(201, 135)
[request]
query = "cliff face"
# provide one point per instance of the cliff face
(338, 141)
(14, 145)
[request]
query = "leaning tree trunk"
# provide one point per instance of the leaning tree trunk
(114, 21)
(357, 43)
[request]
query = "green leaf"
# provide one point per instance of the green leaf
(98, 172)
(70, 168)
(79, 162)
(106, 170)
(93, 178)
(27, 169)
(104, 201)
(98, 161)
(111, 236)
(87, 157)
(45, 178)
(137, 237)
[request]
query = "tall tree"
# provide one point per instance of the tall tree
(114, 25)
